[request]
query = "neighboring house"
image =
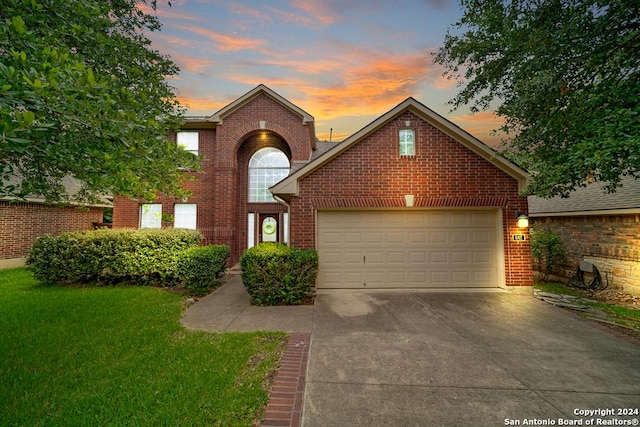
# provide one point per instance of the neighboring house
(409, 201)
(23, 221)
(597, 227)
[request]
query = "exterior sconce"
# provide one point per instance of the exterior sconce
(523, 220)
(408, 199)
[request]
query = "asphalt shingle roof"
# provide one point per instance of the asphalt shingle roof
(590, 198)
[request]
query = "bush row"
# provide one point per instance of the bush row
(138, 257)
(276, 274)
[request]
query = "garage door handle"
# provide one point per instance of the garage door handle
(364, 259)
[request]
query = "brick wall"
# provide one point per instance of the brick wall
(22, 223)
(220, 189)
(611, 242)
(443, 173)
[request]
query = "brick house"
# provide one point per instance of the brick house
(411, 200)
(22, 222)
(597, 227)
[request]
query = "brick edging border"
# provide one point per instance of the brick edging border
(287, 395)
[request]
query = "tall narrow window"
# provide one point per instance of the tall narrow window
(407, 142)
(267, 167)
(185, 215)
(188, 141)
(151, 215)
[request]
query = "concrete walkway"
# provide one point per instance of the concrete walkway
(443, 359)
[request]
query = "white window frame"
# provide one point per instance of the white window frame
(185, 215)
(262, 177)
(407, 145)
(151, 215)
(189, 140)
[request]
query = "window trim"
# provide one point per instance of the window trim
(193, 220)
(157, 223)
(406, 144)
(197, 141)
(253, 197)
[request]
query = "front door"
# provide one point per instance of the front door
(269, 230)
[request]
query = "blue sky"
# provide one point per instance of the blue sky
(344, 62)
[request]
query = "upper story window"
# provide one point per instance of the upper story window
(151, 215)
(407, 142)
(267, 167)
(185, 215)
(188, 141)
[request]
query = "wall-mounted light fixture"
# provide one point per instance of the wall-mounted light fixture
(523, 220)
(408, 200)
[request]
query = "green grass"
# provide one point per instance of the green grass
(117, 356)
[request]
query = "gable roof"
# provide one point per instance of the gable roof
(217, 118)
(289, 185)
(590, 200)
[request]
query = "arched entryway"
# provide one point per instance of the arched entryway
(264, 159)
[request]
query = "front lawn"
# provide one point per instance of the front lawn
(119, 356)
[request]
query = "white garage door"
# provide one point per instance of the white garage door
(408, 249)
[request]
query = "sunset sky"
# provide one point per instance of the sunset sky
(345, 62)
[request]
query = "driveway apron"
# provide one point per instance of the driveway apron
(462, 359)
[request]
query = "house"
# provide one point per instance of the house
(409, 201)
(23, 221)
(598, 227)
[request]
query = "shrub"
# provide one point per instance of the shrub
(547, 249)
(111, 255)
(276, 274)
(200, 267)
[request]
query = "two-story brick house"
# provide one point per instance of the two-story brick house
(411, 200)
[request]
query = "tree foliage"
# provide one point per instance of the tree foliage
(564, 75)
(83, 95)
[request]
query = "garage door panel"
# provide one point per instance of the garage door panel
(436, 236)
(417, 257)
(460, 257)
(439, 257)
(397, 257)
(374, 258)
(411, 249)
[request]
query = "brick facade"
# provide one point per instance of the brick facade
(370, 174)
(220, 190)
(22, 223)
(443, 173)
(611, 242)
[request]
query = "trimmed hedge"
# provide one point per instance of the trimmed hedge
(199, 267)
(276, 274)
(111, 255)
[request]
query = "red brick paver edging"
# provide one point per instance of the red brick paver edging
(285, 401)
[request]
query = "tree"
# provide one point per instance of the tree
(84, 96)
(565, 77)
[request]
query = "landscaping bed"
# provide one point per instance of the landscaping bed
(612, 308)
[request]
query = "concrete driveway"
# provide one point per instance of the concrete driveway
(462, 359)
(443, 359)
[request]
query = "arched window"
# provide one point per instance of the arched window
(266, 167)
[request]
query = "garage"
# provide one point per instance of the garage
(377, 249)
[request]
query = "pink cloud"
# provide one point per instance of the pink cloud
(191, 64)
(227, 43)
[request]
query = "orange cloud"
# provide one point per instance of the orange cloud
(191, 64)
(227, 43)
(203, 105)
(319, 11)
